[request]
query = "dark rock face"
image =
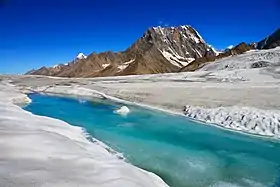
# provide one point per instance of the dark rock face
(260, 64)
(271, 41)
(159, 50)
(200, 62)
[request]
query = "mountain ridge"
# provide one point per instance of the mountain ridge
(158, 50)
(271, 41)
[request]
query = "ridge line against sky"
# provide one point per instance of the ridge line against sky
(45, 33)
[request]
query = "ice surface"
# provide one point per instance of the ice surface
(250, 120)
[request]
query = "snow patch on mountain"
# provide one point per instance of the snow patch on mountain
(122, 67)
(105, 65)
(125, 65)
(129, 62)
(177, 60)
(170, 58)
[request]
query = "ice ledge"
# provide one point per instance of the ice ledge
(245, 119)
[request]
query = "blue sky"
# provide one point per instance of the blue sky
(35, 33)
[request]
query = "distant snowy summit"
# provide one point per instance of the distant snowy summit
(80, 56)
(56, 69)
(159, 50)
(230, 47)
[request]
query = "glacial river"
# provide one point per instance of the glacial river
(182, 152)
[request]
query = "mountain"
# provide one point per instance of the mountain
(159, 50)
(57, 69)
(230, 51)
(271, 41)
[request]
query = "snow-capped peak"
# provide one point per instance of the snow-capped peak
(81, 56)
(230, 47)
(195, 36)
(184, 26)
(186, 31)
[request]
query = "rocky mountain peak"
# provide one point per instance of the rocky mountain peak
(179, 45)
(176, 34)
